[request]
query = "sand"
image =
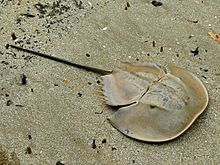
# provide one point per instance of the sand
(53, 114)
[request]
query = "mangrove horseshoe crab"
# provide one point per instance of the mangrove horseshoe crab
(156, 103)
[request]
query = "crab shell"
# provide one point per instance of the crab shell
(156, 104)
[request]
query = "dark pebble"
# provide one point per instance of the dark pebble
(29, 137)
(195, 52)
(156, 3)
(59, 163)
(113, 148)
(79, 94)
(29, 150)
(13, 36)
(9, 102)
(93, 144)
(104, 141)
(23, 79)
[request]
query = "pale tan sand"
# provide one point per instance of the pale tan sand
(51, 118)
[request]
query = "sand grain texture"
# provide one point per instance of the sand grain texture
(46, 120)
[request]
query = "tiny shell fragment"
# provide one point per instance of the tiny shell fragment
(215, 36)
(65, 81)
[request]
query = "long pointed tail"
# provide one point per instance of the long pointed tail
(88, 68)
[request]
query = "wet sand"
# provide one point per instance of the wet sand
(51, 112)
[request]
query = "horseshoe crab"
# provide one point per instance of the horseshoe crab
(156, 103)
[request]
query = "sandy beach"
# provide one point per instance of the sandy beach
(52, 113)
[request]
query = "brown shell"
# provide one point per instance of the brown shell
(157, 104)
